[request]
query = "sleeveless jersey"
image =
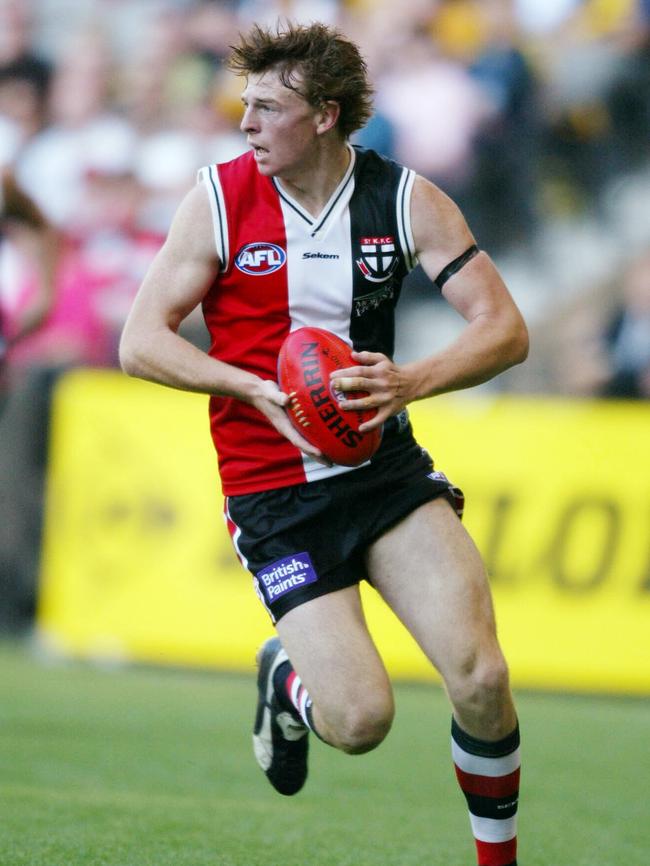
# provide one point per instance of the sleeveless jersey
(282, 269)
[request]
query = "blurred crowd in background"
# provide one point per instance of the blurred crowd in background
(534, 115)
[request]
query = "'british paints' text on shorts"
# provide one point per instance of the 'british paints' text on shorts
(286, 574)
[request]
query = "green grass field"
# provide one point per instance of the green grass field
(146, 767)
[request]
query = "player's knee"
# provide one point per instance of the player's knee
(481, 680)
(493, 679)
(365, 725)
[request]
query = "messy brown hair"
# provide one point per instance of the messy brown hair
(329, 65)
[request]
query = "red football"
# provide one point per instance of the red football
(306, 359)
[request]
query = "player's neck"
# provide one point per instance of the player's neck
(312, 185)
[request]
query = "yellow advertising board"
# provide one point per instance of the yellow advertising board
(137, 563)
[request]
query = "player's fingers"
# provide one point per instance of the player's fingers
(271, 392)
(287, 429)
(375, 422)
(358, 378)
(369, 426)
(350, 383)
(315, 454)
(280, 399)
(369, 401)
(348, 372)
(366, 368)
(297, 440)
(369, 358)
(312, 452)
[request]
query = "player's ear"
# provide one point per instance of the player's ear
(327, 116)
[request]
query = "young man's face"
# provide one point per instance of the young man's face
(280, 125)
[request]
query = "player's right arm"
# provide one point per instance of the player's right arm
(175, 284)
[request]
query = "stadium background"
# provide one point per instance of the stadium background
(535, 117)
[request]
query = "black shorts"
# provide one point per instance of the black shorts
(307, 540)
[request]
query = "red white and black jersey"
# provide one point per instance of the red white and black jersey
(283, 269)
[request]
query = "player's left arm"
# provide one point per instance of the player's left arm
(494, 337)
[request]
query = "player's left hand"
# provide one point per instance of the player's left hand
(382, 379)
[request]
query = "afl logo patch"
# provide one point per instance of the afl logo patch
(260, 258)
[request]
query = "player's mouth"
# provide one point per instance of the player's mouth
(259, 151)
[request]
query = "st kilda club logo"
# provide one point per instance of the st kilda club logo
(378, 258)
(260, 258)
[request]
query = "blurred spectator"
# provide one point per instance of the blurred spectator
(573, 351)
(500, 195)
(180, 103)
(628, 99)
(598, 344)
(378, 134)
(436, 109)
(24, 78)
(23, 91)
(627, 336)
(24, 227)
(80, 169)
(585, 62)
(105, 254)
(161, 82)
(28, 256)
(16, 44)
(83, 128)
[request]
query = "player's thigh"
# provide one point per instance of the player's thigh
(331, 649)
(430, 573)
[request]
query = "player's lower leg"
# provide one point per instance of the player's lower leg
(488, 774)
(282, 720)
(293, 696)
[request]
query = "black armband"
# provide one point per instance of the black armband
(453, 267)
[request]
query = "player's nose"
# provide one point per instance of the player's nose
(248, 121)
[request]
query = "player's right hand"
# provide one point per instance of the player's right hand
(272, 402)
